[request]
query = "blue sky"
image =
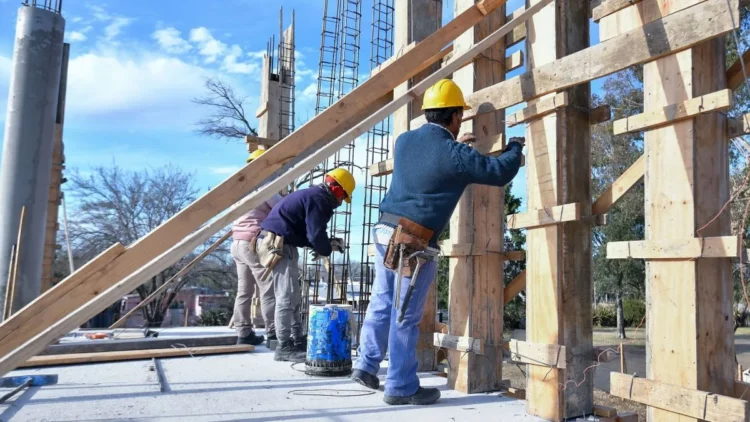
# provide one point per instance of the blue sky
(135, 65)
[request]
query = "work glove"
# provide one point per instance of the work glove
(467, 138)
(520, 139)
(314, 256)
(337, 244)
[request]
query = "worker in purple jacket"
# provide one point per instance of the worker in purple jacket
(245, 230)
(301, 218)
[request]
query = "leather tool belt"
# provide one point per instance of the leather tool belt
(270, 251)
(408, 240)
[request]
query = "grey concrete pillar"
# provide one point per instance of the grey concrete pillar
(27, 147)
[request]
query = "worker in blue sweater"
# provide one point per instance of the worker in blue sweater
(431, 170)
(299, 220)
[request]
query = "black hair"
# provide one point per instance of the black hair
(441, 116)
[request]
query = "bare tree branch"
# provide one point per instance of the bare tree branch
(228, 119)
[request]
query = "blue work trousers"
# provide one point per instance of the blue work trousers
(381, 329)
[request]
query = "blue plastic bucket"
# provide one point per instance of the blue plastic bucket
(329, 340)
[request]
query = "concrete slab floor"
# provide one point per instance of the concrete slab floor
(246, 387)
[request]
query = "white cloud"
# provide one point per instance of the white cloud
(76, 36)
(208, 46)
(99, 13)
(115, 27)
(76, 19)
(169, 40)
(257, 54)
(231, 64)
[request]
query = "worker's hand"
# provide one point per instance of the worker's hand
(337, 244)
(520, 139)
(314, 256)
(467, 138)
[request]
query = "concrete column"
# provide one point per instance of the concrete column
(27, 146)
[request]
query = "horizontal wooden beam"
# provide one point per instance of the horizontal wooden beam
(735, 77)
(515, 286)
(739, 126)
(741, 390)
(672, 33)
(620, 187)
(715, 101)
(600, 114)
(539, 109)
(516, 393)
(693, 403)
(79, 358)
(609, 7)
(382, 168)
(474, 249)
(100, 346)
(707, 247)
(545, 216)
(550, 355)
(487, 6)
(262, 109)
(255, 142)
(464, 344)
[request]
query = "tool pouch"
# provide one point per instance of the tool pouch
(270, 251)
(414, 237)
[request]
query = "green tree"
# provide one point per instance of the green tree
(611, 156)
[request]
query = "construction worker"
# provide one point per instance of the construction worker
(299, 220)
(431, 171)
(245, 231)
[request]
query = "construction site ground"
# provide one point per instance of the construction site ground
(253, 387)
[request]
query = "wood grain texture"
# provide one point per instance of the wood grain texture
(620, 187)
(735, 76)
(543, 355)
(539, 109)
(707, 247)
(545, 216)
(679, 400)
(81, 358)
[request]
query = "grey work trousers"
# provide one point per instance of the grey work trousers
(248, 274)
(285, 277)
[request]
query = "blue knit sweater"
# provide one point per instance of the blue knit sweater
(302, 218)
(431, 171)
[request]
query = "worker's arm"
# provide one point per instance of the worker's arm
(489, 170)
(317, 218)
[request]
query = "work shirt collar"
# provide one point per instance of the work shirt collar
(443, 127)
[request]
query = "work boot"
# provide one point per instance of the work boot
(289, 352)
(301, 342)
(270, 336)
(251, 338)
(423, 396)
(365, 378)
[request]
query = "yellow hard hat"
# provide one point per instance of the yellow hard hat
(255, 154)
(444, 94)
(345, 180)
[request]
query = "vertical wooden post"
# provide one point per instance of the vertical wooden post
(55, 192)
(476, 283)
(429, 15)
(689, 303)
(558, 282)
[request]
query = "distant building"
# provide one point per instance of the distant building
(194, 300)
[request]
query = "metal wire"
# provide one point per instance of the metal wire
(51, 5)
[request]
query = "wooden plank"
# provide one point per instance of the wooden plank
(685, 401)
(514, 287)
(117, 345)
(81, 358)
(463, 344)
(539, 109)
(545, 355)
(609, 7)
(382, 168)
(686, 185)
(514, 61)
(516, 393)
(673, 33)
(738, 127)
(257, 141)
(715, 101)
(707, 247)
(515, 37)
(161, 289)
(620, 187)
(291, 158)
(627, 417)
(544, 217)
(741, 390)
(474, 249)
(735, 77)
(475, 301)
(605, 411)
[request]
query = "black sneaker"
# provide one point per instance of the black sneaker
(423, 396)
(365, 378)
(289, 352)
(251, 338)
(271, 336)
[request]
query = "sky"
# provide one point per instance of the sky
(135, 66)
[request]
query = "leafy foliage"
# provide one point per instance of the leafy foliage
(635, 311)
(218, 317)
(605, 316)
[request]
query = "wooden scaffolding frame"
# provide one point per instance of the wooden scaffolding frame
(680, 45)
